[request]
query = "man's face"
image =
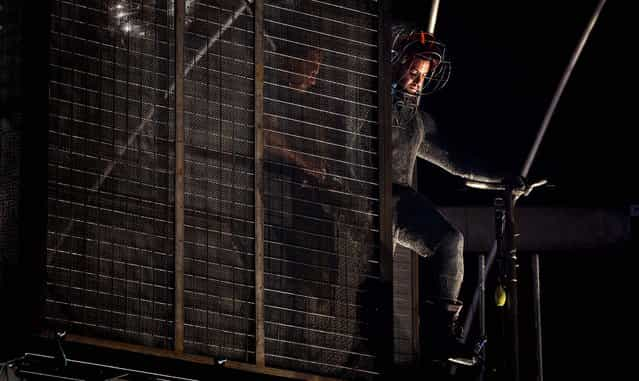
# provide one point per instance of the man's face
(412, 78)
(306, 71)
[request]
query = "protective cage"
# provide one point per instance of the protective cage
(115, 169)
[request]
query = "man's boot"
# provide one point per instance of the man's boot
(442, 335)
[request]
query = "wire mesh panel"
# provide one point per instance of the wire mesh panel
(110, 247)
(321, 186)
(405, 321)
(10, 138)
(110, 199)
(219, 180)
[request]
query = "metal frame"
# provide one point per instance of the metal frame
(385, 166)
(385, 175)
(259, 183)
(179, 176)
(206, 360)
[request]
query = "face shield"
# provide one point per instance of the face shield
(420, 67)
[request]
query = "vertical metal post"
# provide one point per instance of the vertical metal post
(385, 179)
(432, 20)
(512, 266)
(258, 15)
(482, 295)
(385, 148)
(482, 311)
(179, 176)
(537, 312)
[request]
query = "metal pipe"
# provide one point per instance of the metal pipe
(512, 266)
(533, 152)
(482, 313)
(482, 295)
(560, 89)
(47, 376)
(432, 20)
(129, 370)
(537, 312)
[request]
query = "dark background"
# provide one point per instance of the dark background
(508, 58)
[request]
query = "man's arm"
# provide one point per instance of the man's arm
(280, 149)
(435, 150)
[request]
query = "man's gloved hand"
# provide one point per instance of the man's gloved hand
(516, 183)
(521, 186)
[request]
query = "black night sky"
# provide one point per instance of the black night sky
(508, 58)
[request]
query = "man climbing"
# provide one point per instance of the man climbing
(420, 66)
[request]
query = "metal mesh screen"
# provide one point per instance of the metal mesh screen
(110, 248)
(10, 137)
(219, 179)
(321, 185)
(405, 319)
(110, 208)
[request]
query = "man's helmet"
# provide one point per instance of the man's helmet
(409, 43)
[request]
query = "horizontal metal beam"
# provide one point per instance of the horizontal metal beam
(140, 349)
(546, 228)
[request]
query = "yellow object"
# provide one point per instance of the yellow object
(500, 296)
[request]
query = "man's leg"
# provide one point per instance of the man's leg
(418, 226)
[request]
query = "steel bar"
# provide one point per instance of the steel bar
(512, 300)
(432, 20)
(537, 311)
(195, 358)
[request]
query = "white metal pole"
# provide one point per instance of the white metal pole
(432, 20)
